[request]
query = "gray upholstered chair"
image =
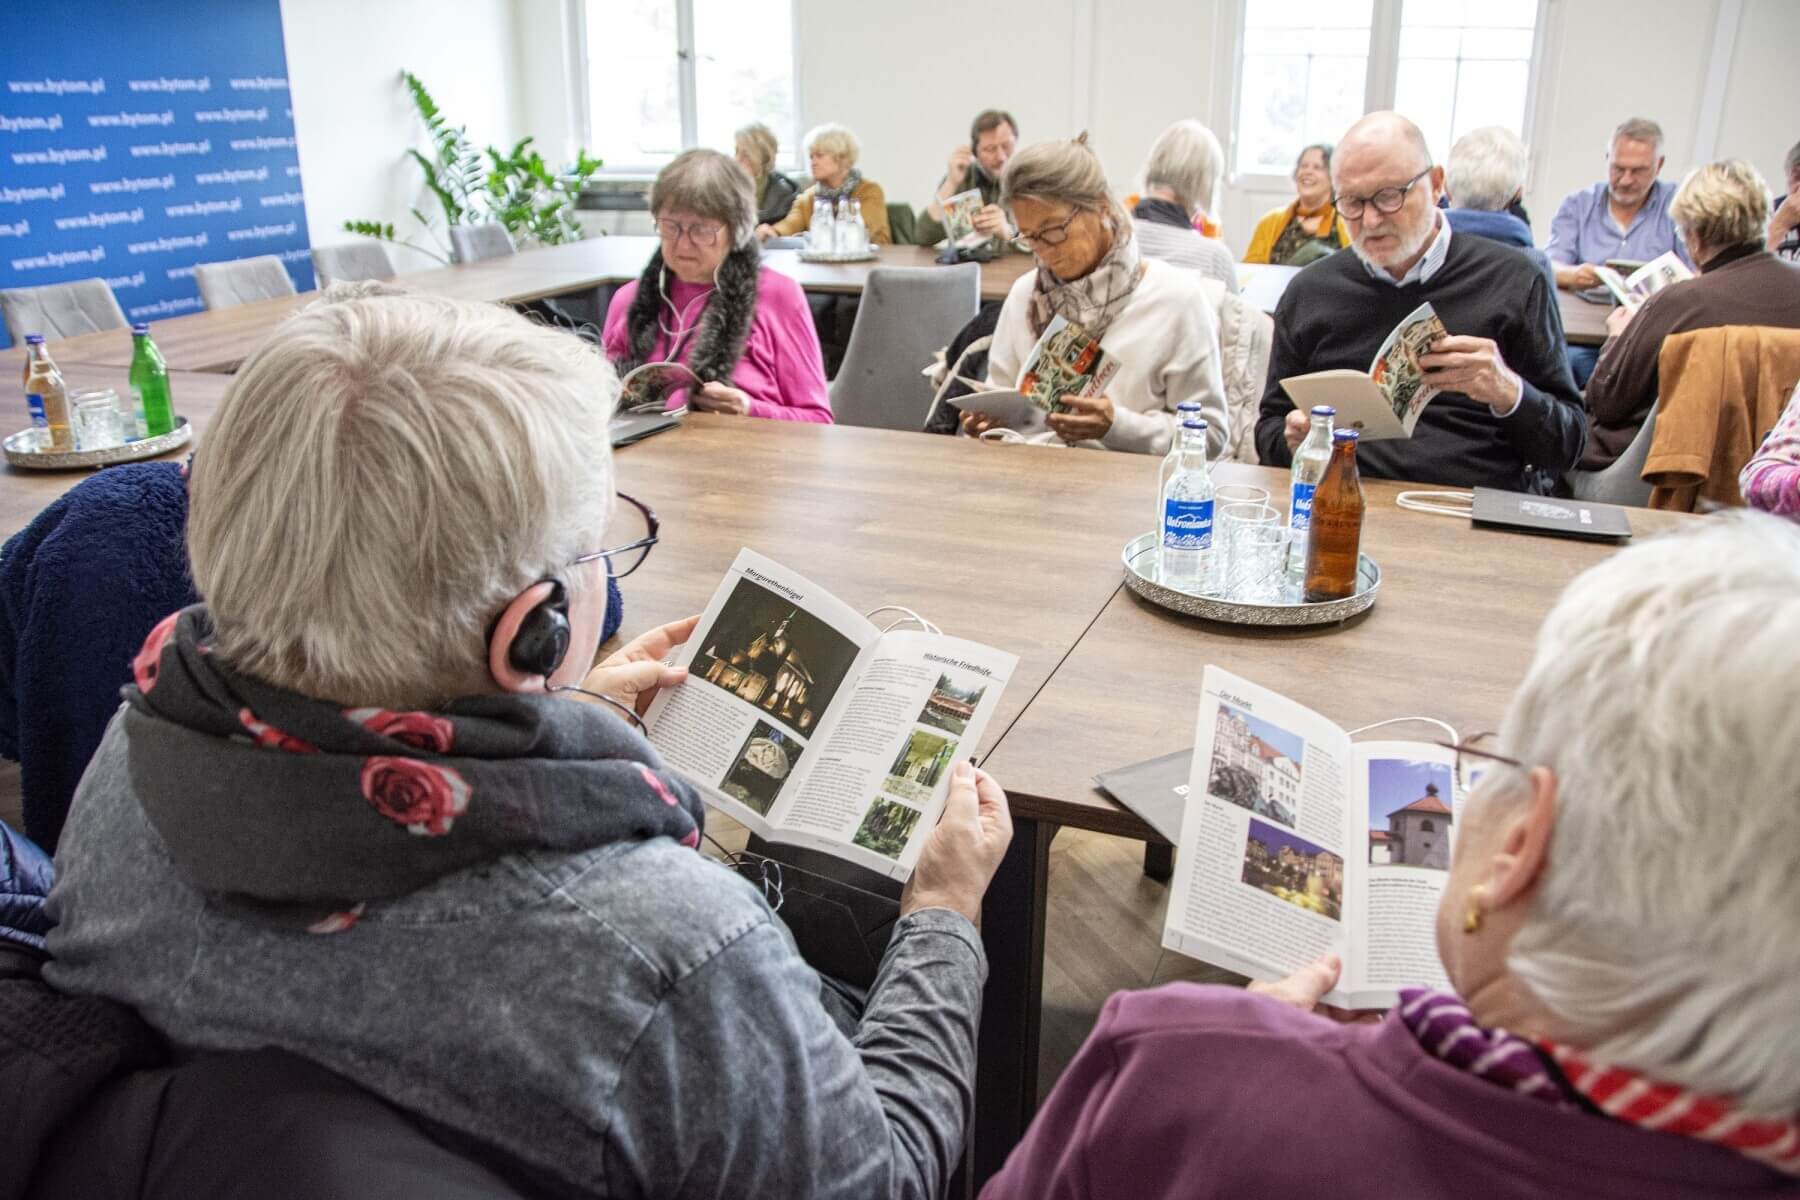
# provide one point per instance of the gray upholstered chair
(472, 243)
(242, 281)
(348, 261)
(60, 310)
(907, 314)
(1623, 482)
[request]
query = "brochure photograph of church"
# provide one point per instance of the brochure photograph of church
(1255, 765)
(767, 651)
(1409, 814)
(949, 707)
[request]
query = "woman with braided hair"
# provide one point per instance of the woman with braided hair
(706, 300)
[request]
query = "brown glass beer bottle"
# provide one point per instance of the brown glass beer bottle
(1335, 539)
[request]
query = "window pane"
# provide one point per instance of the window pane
(1421, 89)
(633, 82)
(745, 70)
(1302, 75)
(1491, 93)
(1463, 65)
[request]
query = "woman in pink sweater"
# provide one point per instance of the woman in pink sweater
(706, 300)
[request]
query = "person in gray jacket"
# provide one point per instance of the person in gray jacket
(351, 809)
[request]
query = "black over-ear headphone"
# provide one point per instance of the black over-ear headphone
(542, 642)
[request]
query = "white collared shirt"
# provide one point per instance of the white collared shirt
(1428, 264)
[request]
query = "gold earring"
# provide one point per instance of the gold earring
(1472, 918)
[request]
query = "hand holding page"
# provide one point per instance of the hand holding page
(1646, 280)
(808, 724)
(1385, 402)
(1064, 362)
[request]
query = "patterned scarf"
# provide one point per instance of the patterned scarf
(842, 191)
(1096, 298)
(300, 812)
(1570, 1080)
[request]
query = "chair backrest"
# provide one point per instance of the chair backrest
(1720, 392)
(906, 315)
(1623, 481)
(903, 224)
(242, 281)
(472, 243)
(350, 261)
(1246, 338)
(60, 310)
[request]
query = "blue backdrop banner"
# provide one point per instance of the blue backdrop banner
(138, 139)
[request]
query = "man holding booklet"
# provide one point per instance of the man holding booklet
(1497, 406)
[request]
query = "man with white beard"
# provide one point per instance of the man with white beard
(1509, 415)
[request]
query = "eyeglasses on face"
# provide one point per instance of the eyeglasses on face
(704, 234)
(1472, 747)
(1388, 200)
(640, 521)
(1050, 235)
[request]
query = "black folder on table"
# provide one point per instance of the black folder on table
(1155, 790)
(635, 427)
(1549, 514)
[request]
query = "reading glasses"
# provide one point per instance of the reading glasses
(701, 233)
(1388, 200)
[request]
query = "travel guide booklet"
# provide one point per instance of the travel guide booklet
(1296, 841)
(1633, 289)
(959, 219)
(648, 387)
(1387, 400)
(1064, 362)
(805, 722)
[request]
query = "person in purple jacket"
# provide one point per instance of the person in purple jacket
(1618, 925)
(706, 300)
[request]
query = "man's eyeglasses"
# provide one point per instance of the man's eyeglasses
(1388, 200)
(1050, 235)
(703, 234)
(637, 520)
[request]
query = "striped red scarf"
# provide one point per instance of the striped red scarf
(1569, 1079)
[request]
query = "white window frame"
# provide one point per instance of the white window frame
(687, 87)
(1378, 84)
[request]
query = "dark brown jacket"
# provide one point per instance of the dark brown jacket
(1751, 289)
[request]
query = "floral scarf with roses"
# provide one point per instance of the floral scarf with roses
(312, 810)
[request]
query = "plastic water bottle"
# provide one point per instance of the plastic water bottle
(1187, 515)
(1309, 467)
(823, 233)
(1187, 410)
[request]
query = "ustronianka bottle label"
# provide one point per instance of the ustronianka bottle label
(36, 403)
(1301, 513)
(1187, 524)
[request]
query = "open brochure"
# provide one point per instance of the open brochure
(808, 724)
(1649, 279)
(959, 219)
(1064, 362)
(1387, 400)
(1296, 841)
(648, 388)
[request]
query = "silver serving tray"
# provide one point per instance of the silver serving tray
(24, 449)
(1140, 560)
(835, 256)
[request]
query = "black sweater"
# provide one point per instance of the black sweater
(1334, 315)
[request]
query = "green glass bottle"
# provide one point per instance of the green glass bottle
(155, 414)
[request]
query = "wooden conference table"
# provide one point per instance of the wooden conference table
(219, 341)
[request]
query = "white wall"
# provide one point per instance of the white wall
(353, 118)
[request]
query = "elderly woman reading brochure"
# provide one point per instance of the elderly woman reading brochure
(1619, 929)
(1150, 321)
(353, 809)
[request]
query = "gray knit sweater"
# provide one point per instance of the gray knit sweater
(631, 1020)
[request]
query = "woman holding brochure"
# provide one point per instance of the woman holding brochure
(355, 808)
(1152, 321)
(1618, 928)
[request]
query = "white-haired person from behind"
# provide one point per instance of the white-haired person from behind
(351, 809)
(831, 153)
(1484, 181)
(1153, 319)
(1181, 186)
(1619, 927)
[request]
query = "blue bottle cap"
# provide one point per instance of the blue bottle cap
(1344, 435)
(142, 329)
(1323, 410)
(1193, 423)
(1188, 406)
(34, 339)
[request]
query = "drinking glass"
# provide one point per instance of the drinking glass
(1257, 570)
(1240, 493)
(95, 419)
